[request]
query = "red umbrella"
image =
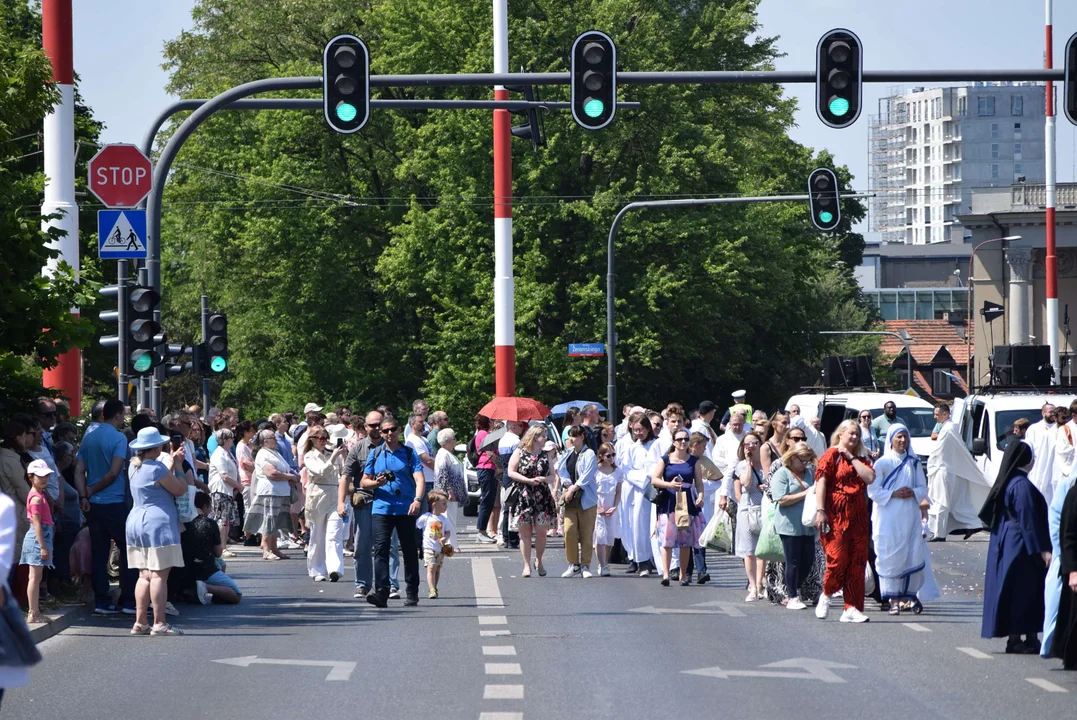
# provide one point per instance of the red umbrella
(515, 408)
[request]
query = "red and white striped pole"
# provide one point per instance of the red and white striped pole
(59, 153)
(1050, 263)
(504, 307)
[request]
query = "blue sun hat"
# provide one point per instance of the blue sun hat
(148, 437)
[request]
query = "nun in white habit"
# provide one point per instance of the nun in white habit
(635, 508)
(902, 559)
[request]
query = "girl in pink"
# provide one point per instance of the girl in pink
(37, 545)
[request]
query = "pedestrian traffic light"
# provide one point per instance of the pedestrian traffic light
(594, 80)
(346, 83)
(1070, 91)
(839, 71)
(535, 129)
(824, 199)
(216, 344)
(143, 330)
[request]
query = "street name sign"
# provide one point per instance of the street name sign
(121, 234)
(586, 349)
(120, 175)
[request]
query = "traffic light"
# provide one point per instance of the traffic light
(1070, 90)
(216, 344)
(346, 83)
(594, 80)
(824, 199)
(839, 71)
(143, 330)
(535, 129)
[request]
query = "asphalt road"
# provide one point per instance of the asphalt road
(499, 647)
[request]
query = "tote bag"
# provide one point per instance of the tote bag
(769, 546)
(185, 505)
(718, 535)
(807, 515)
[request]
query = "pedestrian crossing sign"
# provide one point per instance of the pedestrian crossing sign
(121, 234)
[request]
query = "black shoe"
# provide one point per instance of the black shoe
(334, 576)
(252, 541)
(704, 579)
(378, 598)
(412, 601)
(686, 582)
(665, 582)
(633, 568)
(937, 539)
(1032, 646)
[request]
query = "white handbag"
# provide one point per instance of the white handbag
(807, 515)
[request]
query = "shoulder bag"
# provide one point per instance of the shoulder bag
(755, 512)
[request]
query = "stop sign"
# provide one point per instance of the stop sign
(120, 175)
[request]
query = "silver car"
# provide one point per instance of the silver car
(471, 475)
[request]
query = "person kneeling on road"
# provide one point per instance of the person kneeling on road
(439, 534)
(202, 550)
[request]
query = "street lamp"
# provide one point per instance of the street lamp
(902, 335)
(968, 308)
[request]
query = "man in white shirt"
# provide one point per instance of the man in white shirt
(1041, 436)
(702, 424)
(725, 457)
(811, 430)
(420, 408)
(622, 429)
(417, 442)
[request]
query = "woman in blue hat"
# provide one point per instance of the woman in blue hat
(153, 527)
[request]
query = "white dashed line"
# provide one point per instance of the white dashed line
(493, 620)
(503, 669)
(973, 652)
(501, 716)
(487, 593)
(494, 633)
(498, 650)
(1046, 685)
(503, 692)
(917, 627)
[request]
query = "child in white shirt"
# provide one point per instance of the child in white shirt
(437, 537)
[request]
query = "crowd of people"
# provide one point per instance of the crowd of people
(815, 520)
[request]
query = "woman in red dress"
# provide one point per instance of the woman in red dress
(841, 481)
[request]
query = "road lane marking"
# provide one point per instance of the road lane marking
(501, 716)
(729, 609)
(973, 652)
(917, 627)
(498, 650)
(1046, 685)
(822, 670)
(339, 670)
(503, 692)
(493, 620)
(493, 633)
(487, 592)
(503, 669)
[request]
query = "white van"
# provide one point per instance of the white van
(913, 411)
(986, 421)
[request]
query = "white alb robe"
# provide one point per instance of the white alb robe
(635, 507)
(902, 559)
(957, 489)
(1041, 437)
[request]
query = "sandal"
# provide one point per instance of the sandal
(281, 556)
(38, 619)
(526, 572)
(164, 629)
(270, 556)
(917, 607)
(541, 571)
(895, 609)
(140, 629)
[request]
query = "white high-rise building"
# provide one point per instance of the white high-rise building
(929, 148)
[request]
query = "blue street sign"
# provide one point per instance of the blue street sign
(586, 350)
(121, 234)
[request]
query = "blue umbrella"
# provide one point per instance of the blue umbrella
(560, 410)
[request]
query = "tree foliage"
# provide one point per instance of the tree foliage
(360, 267)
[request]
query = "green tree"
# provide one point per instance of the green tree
(360, 267)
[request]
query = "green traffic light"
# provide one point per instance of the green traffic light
(594, 108)
(144, 362)
(346, 111)
(218, 364)
(825, 216)
(839, 106)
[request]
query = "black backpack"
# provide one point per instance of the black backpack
(472, 453)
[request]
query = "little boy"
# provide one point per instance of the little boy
(437, 535)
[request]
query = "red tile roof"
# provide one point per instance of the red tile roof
(928, 337)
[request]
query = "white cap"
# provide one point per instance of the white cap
(39, 468)
(638, 409)
(340, 430)
(739, 394)
(312, 407)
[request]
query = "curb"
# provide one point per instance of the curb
(61, 619)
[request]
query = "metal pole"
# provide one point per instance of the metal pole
(121, 331)
(504, 283)
(205, 339)
(1050, 256)
(611, 327)
(908, 355)
(968, 311)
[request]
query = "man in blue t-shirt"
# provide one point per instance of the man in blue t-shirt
(102, 488)
(395, 474)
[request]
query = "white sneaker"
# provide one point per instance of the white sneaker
(752, 597)
(586, 572)
(604, 571)
(394, 594)
(795, 604)
(319, 578)
(572, 571)
(823, 607)
(170, 609)
(852, 615)
(349, 553)
(203, 594)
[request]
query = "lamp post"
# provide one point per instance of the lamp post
(968, 308)
(903, 336)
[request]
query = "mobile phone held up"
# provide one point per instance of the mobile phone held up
(340, 442)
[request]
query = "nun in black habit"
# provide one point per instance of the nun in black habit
(1020, 551)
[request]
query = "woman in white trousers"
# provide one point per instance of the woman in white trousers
(328, 530)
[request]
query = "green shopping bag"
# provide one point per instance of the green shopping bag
(769, 548)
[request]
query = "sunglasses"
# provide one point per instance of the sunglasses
(798, 438)
(394, 428)
(680, 439)
(373, 426)
(605, 454)
(51, 413)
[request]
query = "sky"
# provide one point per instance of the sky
(127, 91)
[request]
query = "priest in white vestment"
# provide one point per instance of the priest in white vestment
(1041, 436)
(957, 489)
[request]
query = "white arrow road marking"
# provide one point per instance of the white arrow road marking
(973, 652)
(917, 627)
(821, 670)
(340, 669)
(724, 609)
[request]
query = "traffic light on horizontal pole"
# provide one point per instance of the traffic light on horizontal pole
(346, 84)
(1069, 101)
(839, 72)
(593, 78)
(824, 199)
